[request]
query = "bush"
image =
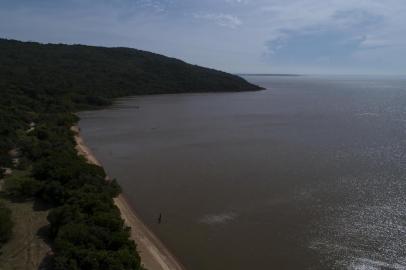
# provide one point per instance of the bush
(21, 185)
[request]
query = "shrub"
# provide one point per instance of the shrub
(21, 185)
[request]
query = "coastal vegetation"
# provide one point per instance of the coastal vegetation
(41, 86)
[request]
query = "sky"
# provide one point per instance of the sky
(238, 36)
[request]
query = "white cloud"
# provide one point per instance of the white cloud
(190, 29)
(236, 1)
(226, 20)
(371, 41)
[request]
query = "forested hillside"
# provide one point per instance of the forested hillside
(84, 72)
(40, 88)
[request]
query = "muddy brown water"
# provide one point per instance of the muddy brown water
(308, 174)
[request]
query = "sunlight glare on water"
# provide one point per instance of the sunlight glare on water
(308, 174)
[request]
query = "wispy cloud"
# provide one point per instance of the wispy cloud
(236, 1)
(235, 35)
(226, 20)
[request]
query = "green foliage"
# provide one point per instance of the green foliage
(21, 185)
(91, 75)
(40, 86)
(6, 224)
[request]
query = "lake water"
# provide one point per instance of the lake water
(308, 174)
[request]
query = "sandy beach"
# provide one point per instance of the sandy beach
(154, 255)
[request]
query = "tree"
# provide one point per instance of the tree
(21, 185)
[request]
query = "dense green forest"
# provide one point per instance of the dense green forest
(41, 86)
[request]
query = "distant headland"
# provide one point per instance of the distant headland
(269, 74)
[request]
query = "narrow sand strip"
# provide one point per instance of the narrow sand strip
(154, 255)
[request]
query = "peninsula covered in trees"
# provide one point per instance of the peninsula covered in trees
(41, 86)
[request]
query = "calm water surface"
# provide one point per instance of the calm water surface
(308, 174)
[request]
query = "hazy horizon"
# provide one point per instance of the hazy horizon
(237, 36)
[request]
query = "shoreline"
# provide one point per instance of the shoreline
(154, 255)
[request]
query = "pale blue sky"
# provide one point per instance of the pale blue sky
(267, 36)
